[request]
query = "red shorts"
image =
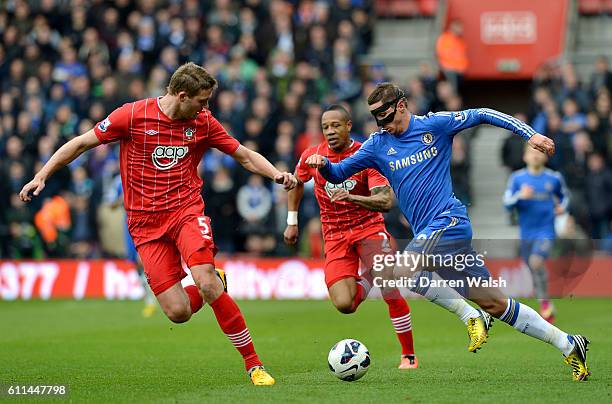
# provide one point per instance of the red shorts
(163, 238)
(342, 256)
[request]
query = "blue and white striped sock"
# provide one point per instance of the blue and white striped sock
(528, 321)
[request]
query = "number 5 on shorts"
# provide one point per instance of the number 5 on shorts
(204, 223)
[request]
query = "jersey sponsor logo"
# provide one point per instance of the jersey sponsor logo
(391, 151)
(151, 132)
(349, 185)
(413, 159)
(103, 126)
(166, 157)
(427, 138)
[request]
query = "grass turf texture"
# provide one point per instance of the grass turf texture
(106, 352)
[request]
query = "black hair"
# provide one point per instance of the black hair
(339, 108)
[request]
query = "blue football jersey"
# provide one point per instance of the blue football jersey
(536, 215)
(417, 162)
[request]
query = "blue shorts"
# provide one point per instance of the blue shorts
(448, 239)
(539, 247)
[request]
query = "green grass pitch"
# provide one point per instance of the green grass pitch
(106, 352)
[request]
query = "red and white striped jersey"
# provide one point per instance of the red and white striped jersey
(338, 218)
(160, 156)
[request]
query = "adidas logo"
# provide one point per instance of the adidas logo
(391, 151)
(151, 132)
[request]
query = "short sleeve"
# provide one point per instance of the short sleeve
(115, 126)
(375, 179)
(219, 138)
(302, 171)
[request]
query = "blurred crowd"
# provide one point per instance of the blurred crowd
(578, 117)
(66, 64)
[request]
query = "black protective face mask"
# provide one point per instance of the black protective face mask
(389, 118)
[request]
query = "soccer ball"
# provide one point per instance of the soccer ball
(349, 360)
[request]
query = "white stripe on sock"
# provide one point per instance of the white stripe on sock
(247, 342)
(403, 325)
(396, 319)
(241, 339)
(244, 334)
(237, 334)
(406, 321)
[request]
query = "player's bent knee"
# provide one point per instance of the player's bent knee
(178, 313)
(344, 306)
(208, 282)
(204, 276)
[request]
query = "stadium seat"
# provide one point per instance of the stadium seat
(428, 8)
(397, 8)
(590, 7)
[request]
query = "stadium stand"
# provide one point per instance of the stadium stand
(65, 66)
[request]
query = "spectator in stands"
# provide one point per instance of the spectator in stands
(53, 223)
(599, 195)
(602, 76)
(444, 91)
(460, 170)
(570, 88)
(512, 150)
(451, 51)
(573, 119)
(222, 208)
(254, 203)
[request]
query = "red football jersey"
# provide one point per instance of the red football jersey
(159, 155)
(341, 217)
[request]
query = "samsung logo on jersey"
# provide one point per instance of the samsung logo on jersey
(413, 159)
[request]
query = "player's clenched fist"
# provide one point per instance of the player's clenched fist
(35, 186)
(291, 234)
(287, 179)
(543, 144)
(315, 161)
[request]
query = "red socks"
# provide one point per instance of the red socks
(195, 299)
(232, 323)
(399, 311)
(363, 289)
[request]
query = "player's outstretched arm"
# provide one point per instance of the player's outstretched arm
(472, 117)
(62, 157)
(258, 164)
(294, 197)
(499, 119)
(380, 199)
(338, 172)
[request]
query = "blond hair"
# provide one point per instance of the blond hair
(192, 79)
